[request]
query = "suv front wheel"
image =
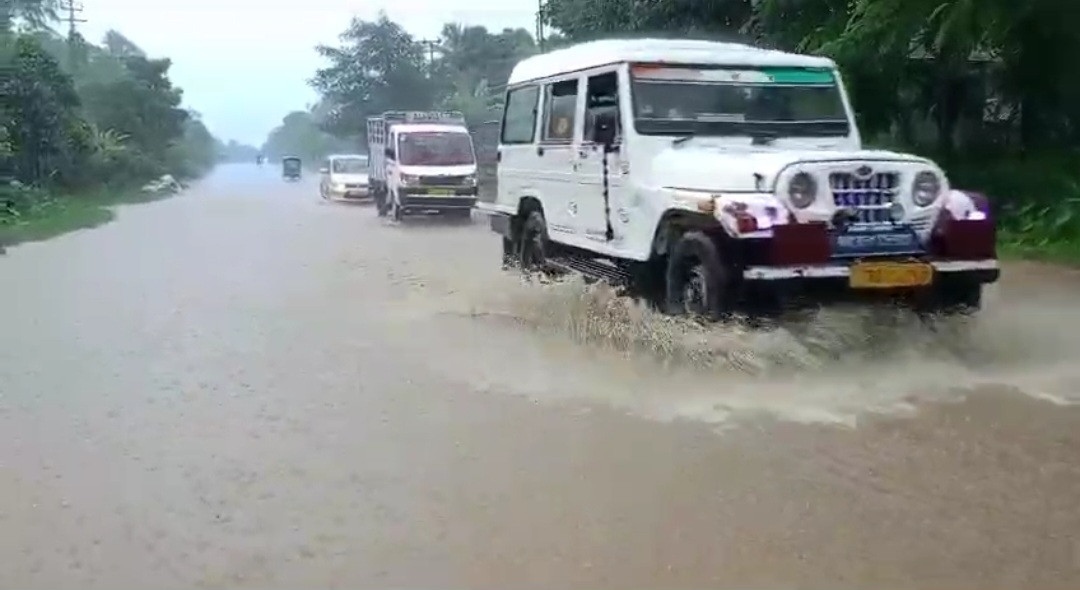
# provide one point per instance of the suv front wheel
(697, 282)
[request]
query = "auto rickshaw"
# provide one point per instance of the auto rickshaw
(290, 168)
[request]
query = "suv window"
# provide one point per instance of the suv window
(560, 102)
(602, 100)
(519, 116)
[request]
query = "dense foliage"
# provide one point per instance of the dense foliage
(77, 117)
(378, 66)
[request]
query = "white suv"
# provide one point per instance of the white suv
(718, 177)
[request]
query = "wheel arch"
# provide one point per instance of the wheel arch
(674, 223)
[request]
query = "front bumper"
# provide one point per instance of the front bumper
(437, 199)
(982, 271)
(361, 192)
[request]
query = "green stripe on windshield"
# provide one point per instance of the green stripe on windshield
(799, 75)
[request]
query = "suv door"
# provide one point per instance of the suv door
(601, 102)
(557, 155)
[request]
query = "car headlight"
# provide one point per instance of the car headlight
(926, 188)
(802, 191)
(338, 186)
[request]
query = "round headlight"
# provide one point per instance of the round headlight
(802, 191)
(926, 188)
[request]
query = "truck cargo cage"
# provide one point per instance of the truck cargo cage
(439, 117)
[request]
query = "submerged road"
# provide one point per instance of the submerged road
(246, 386)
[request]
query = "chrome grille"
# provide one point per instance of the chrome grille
(356, 185)
(443, 180)
(871, 195)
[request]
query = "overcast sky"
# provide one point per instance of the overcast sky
(243, 64)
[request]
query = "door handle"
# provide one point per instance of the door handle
(539, 150)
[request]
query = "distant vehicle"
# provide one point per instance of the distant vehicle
(290, 168)
(259, 159)
(345, 176)
(719, 178)
(422, 162)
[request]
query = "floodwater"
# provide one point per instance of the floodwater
(245, 386)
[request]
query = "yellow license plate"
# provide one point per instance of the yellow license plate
(890, 275)
(440, 191)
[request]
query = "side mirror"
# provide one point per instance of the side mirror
(390, 153)
(605, 131)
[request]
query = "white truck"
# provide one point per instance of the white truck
(718, 178)
(421, 162)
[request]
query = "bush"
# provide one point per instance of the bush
(18, 201)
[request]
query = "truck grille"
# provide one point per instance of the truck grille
(443, 180)
(870, 196)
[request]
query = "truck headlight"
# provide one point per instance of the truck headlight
(802, 191)
(470, 180)
(407, 179)
(926, 188)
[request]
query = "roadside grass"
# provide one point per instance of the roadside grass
(67, 213)
(1061, 253)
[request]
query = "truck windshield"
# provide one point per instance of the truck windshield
(356, 165)
(776, 102)
(436, 149)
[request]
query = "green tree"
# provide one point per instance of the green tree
(378, 67)
(142, 105)
(36, 13)
(45, 134)
(301, 135)
(582, 20)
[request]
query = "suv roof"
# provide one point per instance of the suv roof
(682, 51)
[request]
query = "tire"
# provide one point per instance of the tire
(533, 244)
(697, 282)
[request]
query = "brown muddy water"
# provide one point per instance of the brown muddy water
(245, 386)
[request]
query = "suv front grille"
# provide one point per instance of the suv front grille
(871, 196)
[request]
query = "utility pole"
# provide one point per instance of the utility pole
(431, 45)
(540, 15)
(73, 9)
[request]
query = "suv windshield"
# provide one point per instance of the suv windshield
(774, 102)
(436, 149)
(357, 165)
